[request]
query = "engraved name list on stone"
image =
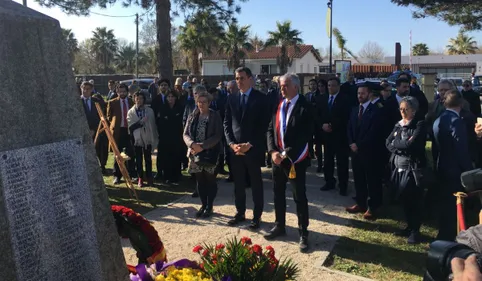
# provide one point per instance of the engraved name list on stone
(49, 212)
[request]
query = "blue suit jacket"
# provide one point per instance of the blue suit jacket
(366, 135)
(450, 134)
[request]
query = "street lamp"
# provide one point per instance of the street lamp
(330, 6)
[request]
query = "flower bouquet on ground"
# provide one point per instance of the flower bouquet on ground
(240, 260)
(181, 270)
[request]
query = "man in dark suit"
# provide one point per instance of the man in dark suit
(117, 116)
(314, 97)
(450, 134)
(472, 97)
(93, 120)
(366, 147)
(112, 94)
(350, 89)
(393, 104)
(245, 124)
(289, 133)
(158, 105)
(335, 114)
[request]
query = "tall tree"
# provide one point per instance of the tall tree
(104, 45)
(198, 36)
(466, 13)
(224, 10)
(420, 49)
(256, 42)
(125, 59)
(462, 45)
(72, 43)
(372, 51)
(235, 43)
(285, 37)
(341, 42)
(85, 61)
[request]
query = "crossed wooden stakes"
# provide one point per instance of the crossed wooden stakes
(120, 158)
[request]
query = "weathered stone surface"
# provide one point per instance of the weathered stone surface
(40, 106)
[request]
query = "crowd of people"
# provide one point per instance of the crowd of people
(383, 130)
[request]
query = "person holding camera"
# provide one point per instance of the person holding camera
(202, 135)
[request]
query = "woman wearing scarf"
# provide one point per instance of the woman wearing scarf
(142, 126)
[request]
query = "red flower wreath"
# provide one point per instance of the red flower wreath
(146, 228)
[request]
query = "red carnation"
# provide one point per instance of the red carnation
(214, 257)
(270, 249)
(197, 249)
(257, 249)
(246, 241)
(201, 266)
(219, 246)
(205, 253)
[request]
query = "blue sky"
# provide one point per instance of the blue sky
(379, 21)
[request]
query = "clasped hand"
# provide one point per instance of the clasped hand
(196, 148)
(276, 158)
(241, 148)
(478, 130)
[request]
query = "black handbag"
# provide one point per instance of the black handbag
(424, 177)
(207, 157)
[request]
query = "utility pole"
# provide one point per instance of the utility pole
(330, 6)
(25, 3)
(137, 45)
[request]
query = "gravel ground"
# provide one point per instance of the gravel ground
(180, 231)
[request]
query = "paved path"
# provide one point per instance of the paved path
(181, 231)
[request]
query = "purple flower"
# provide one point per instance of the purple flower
(227, 278)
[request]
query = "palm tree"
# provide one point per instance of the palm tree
(125, 59)
(341, 42)
(420, 49)
(462, 45)
(72, 43)
(197, 37)
(285, 37)
(234, 44)
(104, 45)
(256, 42)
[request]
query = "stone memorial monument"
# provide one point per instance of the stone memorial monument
(55, 217)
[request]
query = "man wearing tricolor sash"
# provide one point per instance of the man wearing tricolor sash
(289, 133)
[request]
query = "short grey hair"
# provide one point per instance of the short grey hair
(231, 83)
(200, 89)
(411, 102)
(206, 95)
(448, 82)
(293, 78)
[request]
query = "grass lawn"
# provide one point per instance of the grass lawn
(371, 250)
(150, 197)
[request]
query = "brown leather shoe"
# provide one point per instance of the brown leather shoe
(355, 209)
(369, 215)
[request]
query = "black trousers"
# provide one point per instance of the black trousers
(280, 178)
(146, 155)
(448, 210)
(318, 152)
(243, 165)
(411, 197)
(171, 162)
(207, 188)
(124, 142)
(368, 181)
(339, 149)
(102, 149)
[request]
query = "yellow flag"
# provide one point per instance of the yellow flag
(328, 20)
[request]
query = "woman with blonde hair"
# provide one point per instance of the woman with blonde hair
(202, 135)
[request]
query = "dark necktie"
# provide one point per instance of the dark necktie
(126, 108)
(360, 114)
(330, 102)
(285, 114)
(243, 102)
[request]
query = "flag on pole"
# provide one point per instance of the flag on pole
(328, 20)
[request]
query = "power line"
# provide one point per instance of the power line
(130, 16)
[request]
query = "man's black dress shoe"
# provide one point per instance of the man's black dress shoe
(201, 211)
(327, 187)
(254, 224)
(275, 232)
(304, 243)
(236, 220)
(116, 180)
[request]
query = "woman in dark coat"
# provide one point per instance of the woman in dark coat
(407, 146)
(170, 139)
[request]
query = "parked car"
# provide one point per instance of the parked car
(476, 84)
(144, 84)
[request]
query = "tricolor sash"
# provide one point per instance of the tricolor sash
(280, 132)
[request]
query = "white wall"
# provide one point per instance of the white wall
(437, 59)
(306, 64)
(219, 67)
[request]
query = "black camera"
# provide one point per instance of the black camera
(441, 254)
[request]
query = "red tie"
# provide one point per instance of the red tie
(360, 113)
(125, 112)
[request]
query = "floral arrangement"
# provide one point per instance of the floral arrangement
(143, 237)
(240, 260)
(182, 270)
